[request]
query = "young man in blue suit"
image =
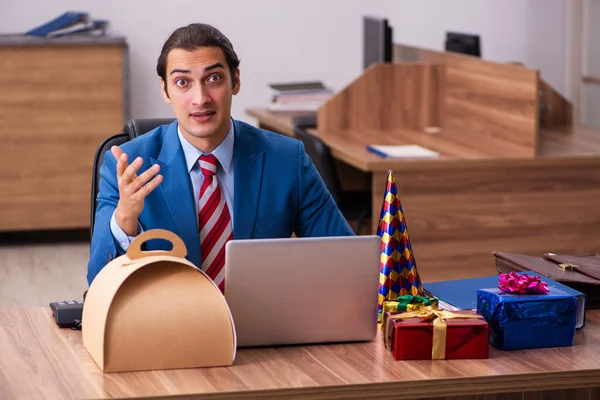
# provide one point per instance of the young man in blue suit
(266, 186)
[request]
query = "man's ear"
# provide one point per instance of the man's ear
(236, 82)
(165, 93)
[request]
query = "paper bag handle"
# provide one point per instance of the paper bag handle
(135, 248)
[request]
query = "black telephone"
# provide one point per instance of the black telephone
(68, 313)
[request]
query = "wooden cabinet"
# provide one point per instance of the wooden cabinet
(59, 98)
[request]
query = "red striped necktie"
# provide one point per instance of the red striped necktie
(214, 222)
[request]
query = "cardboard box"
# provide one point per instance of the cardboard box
(156, 310)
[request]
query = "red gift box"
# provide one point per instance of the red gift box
(413, 338)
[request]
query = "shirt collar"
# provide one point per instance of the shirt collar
(223, 152)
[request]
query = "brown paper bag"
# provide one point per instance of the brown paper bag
(156, 310)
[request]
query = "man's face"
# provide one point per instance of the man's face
(200, 89)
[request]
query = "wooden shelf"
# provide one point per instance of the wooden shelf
(60, 100)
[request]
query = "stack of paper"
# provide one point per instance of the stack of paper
(298, 96)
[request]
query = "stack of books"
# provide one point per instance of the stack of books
(71, 23)
(298, 96)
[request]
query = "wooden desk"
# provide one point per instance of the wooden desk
(463, 206)
(40, 361)
(561, 145)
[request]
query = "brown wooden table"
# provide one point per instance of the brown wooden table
(38, 360)
(464, 205)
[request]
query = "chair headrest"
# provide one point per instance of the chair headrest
(136, 127)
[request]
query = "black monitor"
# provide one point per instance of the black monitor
(377, 41)
(463, 43)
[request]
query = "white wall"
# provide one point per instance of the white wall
(528, 31)
(310, 39)
(275, 40)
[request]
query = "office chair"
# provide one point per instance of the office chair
(132, 129)
(354, 205)
(68, 314)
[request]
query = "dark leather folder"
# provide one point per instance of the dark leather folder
(581, 273)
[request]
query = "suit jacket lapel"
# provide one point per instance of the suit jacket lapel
(177, 191)
(248, 163)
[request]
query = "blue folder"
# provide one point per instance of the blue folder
(62, 21)
(462, 293)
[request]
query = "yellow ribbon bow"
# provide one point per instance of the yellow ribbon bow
(438, 350)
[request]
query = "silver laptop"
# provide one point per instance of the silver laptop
(303, 290)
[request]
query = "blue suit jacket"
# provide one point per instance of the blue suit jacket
(277, 191)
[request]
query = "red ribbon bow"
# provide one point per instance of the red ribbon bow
(522, 284)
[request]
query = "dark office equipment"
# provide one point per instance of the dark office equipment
(132, 129)
(67, 312)
(377, 41)
(463, 43)
(354, 205)
(297, 86)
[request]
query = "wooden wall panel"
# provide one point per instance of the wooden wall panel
(493, 106)
(387, 96)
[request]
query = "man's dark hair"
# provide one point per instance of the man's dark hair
(190, 38)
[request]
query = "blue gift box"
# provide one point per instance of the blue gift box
(528, 321)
